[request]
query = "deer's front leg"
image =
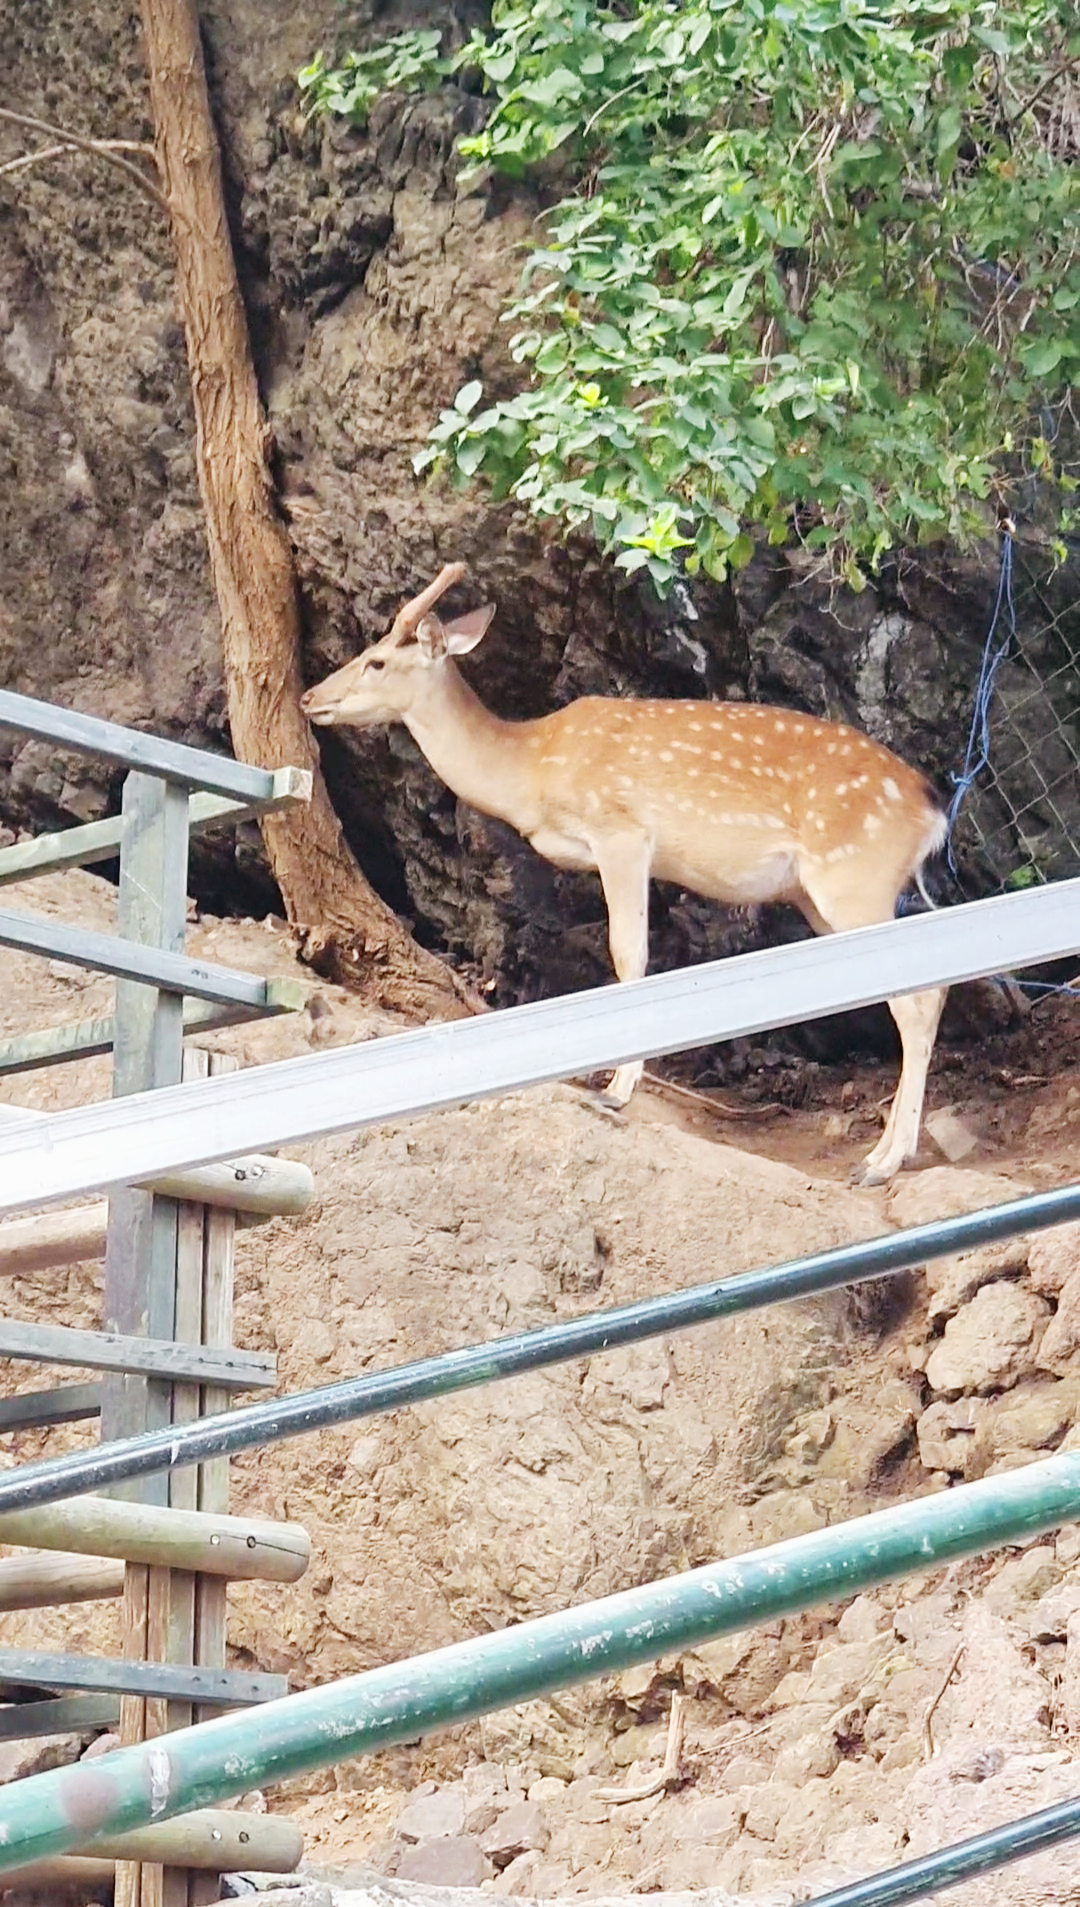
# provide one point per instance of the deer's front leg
(623, 862)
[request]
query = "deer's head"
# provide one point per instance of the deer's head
(383, 683)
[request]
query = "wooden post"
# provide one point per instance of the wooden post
(140, 1254)
(185, 1613)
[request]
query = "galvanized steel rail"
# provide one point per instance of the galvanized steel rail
(198, 1767)
(97, 1147)
(255, 1425)
(192, 768)
(950, 1866)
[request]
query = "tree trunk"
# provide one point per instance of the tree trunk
(348, 932)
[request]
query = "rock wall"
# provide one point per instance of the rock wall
(374, 283)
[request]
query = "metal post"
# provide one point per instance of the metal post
(202, 1766)
(140, 1257)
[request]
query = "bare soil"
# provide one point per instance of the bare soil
(487, 1508)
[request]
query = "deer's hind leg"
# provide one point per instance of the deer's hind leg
(832, 903)
(623, 862)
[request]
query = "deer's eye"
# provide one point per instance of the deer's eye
(376, 664)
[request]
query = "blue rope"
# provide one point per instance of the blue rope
(977, 754)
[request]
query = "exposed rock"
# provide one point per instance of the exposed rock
(862, 1620)
(944, 1191)
(990, 1342)
(1024, 1578)
(947, 1436)
(1070, 1691)
(521, 1829)
(811, 1755)
(1060, 1347)
(450, 1861)
(429, 1816)
(954, 1281)
(1053, 1257)
(952, 1135)
(1049, 1619)
(766, 1807)
(1035, 1416)
(35, 1756)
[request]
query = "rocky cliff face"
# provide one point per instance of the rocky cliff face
(374, 283)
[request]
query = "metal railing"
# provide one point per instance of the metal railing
(364, 1714)
(253, 1426)
(149, 1133)
(145, 1134)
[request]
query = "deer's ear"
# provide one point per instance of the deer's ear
(465, 632)
(431, 638)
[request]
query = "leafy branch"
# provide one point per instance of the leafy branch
(806, 285)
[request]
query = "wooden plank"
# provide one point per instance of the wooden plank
(133, 1707)
(59, 1715)
(69, 1876)
(65, 1404)
(260, 1187)
(140, 1263)
(243, 1548)
(219, 1240)
(44, 1580)
(224, 1688)
(213, 1837)
(160, 1358)
(171, 1629)
(265, 1843)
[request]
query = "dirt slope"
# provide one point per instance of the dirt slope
(489, 1507)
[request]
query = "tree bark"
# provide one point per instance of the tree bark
(347, 930)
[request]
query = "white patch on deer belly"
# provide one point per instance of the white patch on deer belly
(737, 871)
(563, 849)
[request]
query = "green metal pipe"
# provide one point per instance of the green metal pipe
(950, 1866)
(199, 1767)
(100, 1466)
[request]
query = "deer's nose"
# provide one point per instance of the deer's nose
(305, 699)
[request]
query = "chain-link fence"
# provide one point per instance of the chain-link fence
(1020, 821)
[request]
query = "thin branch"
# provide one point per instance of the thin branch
(1043, 87)
(28, 159)
(928, 1733)
(669, 1774)
(110, 149)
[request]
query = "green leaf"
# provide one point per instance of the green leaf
(1043, 356)
(787, 259)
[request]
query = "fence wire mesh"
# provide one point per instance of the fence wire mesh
(1020, 821)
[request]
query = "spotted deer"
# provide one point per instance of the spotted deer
(738, 802)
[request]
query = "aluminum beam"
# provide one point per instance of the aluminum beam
(128, 748)
(105, 1675)
(63, 1404)
(162, 1358)
(83, 1039)
(67, 1715)
(203, 1766)
(128, 960)
(96, 1147)
(100, 840)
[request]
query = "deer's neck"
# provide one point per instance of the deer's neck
(480, 757)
